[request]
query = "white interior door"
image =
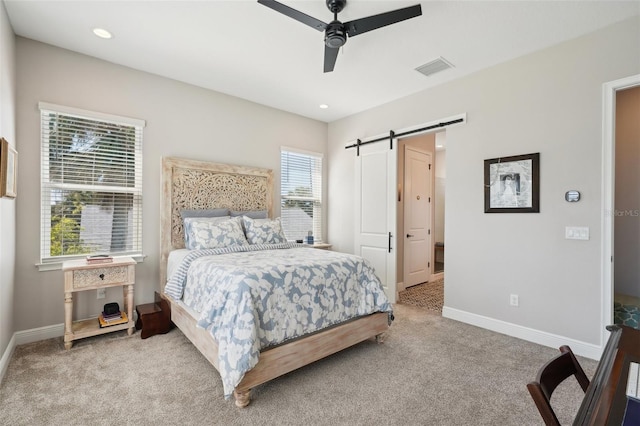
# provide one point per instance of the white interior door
(417, 216)
(375, 211)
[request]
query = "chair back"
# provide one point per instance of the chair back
(550, 375)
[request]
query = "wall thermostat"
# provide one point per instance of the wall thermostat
(572, 196)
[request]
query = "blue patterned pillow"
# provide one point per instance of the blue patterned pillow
(188, 222)
(213, 232)
(263, 231)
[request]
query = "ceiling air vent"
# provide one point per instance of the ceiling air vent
(434, 66)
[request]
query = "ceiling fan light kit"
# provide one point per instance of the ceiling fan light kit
(334, 36)
(336, 33)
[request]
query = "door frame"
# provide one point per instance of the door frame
(609, 90)
(403, 133)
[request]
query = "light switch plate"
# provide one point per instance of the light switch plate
(576, 233)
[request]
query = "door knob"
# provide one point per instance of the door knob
(409, 235)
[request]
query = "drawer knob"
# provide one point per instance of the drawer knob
(101, 276)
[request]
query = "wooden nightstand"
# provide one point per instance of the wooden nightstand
(80, 276)
(323, 246)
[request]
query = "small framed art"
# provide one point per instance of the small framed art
(8, 170)
(512, 184)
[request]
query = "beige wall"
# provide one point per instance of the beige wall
(182, 120)
(7, 206)
(627, 193)
(548, 102)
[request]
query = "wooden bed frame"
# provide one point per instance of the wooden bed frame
(190, 184)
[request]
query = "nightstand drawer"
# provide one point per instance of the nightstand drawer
(99, 276)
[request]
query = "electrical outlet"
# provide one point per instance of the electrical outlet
(102, 293)
(513, 300)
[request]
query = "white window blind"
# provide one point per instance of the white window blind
(91, 183)
(301, 194)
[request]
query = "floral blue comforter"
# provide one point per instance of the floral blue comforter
(254, 297)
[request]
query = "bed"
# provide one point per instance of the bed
(197, 185)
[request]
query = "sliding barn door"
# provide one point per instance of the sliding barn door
(375, 210)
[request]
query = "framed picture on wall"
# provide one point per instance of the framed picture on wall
(8, 170)
(512, 184)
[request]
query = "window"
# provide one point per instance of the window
(301, 194)
(91, 184)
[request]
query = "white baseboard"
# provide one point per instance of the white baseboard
(37, 334)
(436, 276)
(6, 357)
(28, 336)
(587, 350)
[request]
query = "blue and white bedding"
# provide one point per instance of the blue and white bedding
(252, 297)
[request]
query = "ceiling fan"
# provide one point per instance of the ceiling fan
(336, 32)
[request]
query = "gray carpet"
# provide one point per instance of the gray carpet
(429, 371)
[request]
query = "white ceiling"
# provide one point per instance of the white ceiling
(247, 50)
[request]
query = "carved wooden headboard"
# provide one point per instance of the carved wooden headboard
(191, 184)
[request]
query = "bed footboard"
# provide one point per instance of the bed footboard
(287, 357)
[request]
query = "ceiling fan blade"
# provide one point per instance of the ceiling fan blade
(330, 56)
(359, 26)
(292, 13)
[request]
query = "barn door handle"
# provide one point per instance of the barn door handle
(410, 235)
(389, 242)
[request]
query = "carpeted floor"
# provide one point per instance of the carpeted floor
(427, 295)
(430, 371)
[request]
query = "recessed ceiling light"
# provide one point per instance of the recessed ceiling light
(324, 106)
(102, 33)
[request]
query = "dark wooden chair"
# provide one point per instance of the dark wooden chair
(550, 376)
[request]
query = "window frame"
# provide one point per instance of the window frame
(48, 262)
(318, 224)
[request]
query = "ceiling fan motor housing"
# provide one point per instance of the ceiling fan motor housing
(335, 36)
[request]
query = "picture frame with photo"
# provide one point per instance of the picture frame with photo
(512, 184)
(8, 170)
